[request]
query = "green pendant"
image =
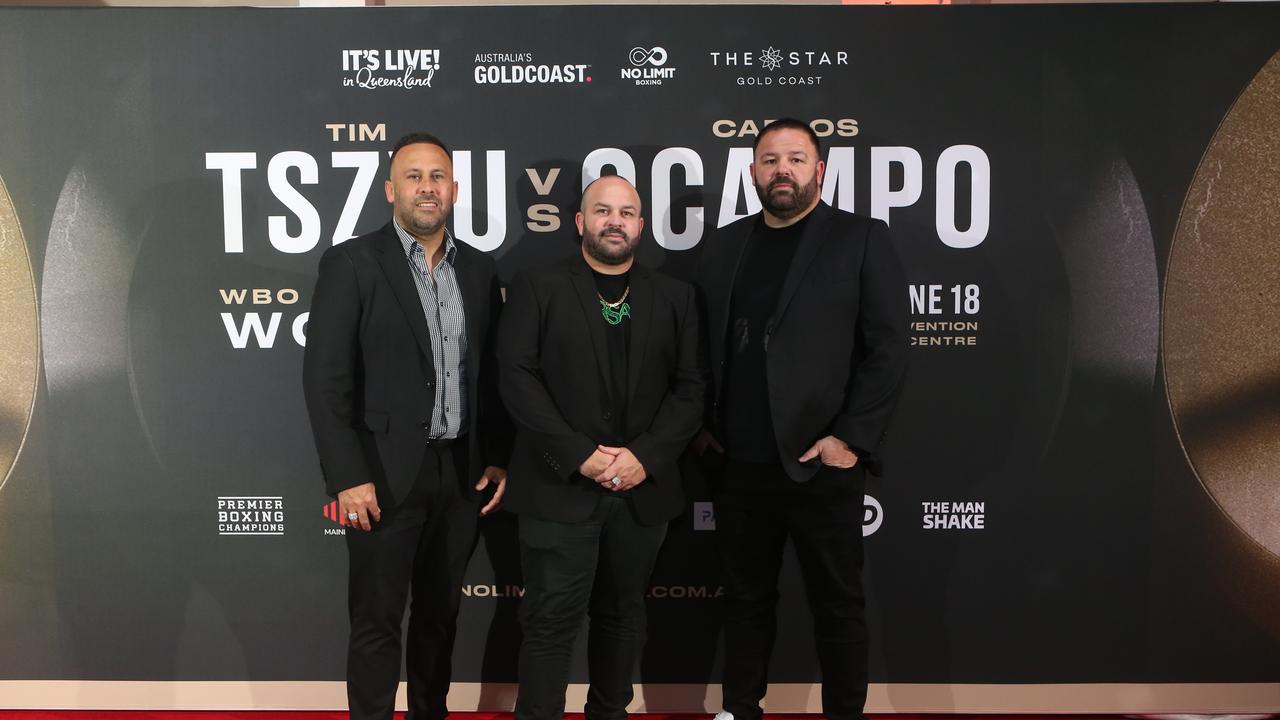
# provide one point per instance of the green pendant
(614, 316)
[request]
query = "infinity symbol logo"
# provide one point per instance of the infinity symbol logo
(656, 57)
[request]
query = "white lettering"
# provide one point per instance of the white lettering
(252, 322)
(231, 164)
(277, 225)
(366, 164)
(837, 181)
(882, 197)
(495, 190)
(597, 160)
(737, 180)
(663, 231)
(979, 196)
(300, 329)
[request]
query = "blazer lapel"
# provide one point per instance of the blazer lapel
(396, 269)
(642, 289)
(585, 288)
(815, 231)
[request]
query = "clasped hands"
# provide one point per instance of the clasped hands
(609, 463)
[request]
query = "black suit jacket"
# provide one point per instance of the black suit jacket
(554, 377)
(836, 352)
(368, 374)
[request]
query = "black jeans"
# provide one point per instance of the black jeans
(601, 567)
(424, 542)
(753, 521)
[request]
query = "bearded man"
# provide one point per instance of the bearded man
(806, 311)
(599, 368)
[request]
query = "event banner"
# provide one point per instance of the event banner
(1083, 474)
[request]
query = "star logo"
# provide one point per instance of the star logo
(771, 59)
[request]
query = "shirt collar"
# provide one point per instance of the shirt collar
(409, 242)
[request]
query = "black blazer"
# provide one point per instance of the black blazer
(554, 379)
(368, 374)
(836, 348)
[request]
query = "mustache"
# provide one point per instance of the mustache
(615, 231)
(783, 181)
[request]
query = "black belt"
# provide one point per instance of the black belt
(445, 442)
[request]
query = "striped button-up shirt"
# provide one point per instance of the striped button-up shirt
(446, 320)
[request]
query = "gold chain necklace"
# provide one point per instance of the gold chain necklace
(614, 312)
(620, 300)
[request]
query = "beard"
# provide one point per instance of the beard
(600, 250)
(787, 206)
(419, 226)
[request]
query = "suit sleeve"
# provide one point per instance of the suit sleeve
(495, 425)
(680, 414)
(523, 390)
(329, 372)
(881, 361)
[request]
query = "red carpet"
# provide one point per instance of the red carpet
(309, 715)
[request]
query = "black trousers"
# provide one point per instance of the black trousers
(421, 545)
(599, 568)
(757, 509)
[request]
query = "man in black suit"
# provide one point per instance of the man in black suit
(806, 314)
(599, 368)
(400, 387)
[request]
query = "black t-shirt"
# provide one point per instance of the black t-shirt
(618, 347)
(749, 434)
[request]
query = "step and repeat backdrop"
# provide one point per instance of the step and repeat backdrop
(1084, 473)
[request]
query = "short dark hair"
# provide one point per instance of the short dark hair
(418, 138)
(789, 123)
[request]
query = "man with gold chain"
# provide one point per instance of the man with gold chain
(599, 367)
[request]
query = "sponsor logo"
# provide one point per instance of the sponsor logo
(648, 66)
(772, 66)
(771, 59)
(872, 515)
(704, 516)
(655, 56)
(954, 515)
(251, 515)
(520, 69)
(399, 68)
(334, 515)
